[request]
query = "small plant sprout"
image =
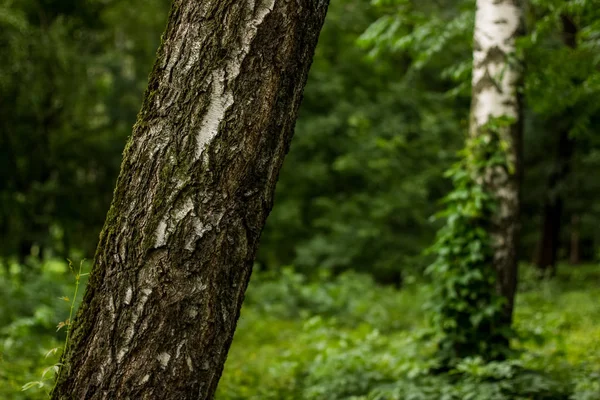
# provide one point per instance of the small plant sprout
(49, 373)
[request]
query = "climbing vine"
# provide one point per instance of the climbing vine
(466, 309)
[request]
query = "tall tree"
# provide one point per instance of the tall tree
(495, 95)
(195, 189)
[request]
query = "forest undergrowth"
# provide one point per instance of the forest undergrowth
(343, 337)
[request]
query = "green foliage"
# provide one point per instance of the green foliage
(467, 312)
(31, 337)
(561, 89)
(68, 99)
(435, 35)
(383, 115)
(279, 354)
(293, 296)
(380, 123)
(562, 62)
(367, 160)
(292, 344)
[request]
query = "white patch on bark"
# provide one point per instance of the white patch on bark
(145, 379)
(163, 359)
(140, 306)
(178, 351)
(128, 295)
(199, 285)
(129, 332)
(130, 329)
(199, 231)
(188, 360)
(221, 97)
(168, 223)
(496, 23)
(491, 103)
(121, 354)
(111, 309)
(220, 101)
(194, 54)
(161, 233)
(122, 251)
(100, 374)
(200, 228)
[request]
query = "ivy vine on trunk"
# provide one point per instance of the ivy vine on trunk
(476, 267)
(467, 310)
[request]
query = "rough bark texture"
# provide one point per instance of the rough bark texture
(195, 189)
(553, 205)
(496, 79)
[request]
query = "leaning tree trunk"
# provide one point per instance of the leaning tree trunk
(195, 188)
(496, 79)
(554, 204)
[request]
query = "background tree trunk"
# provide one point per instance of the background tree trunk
(496, 78)
(195, 189)
(554, 205)
(575, 253)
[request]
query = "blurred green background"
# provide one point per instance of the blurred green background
(335, 307)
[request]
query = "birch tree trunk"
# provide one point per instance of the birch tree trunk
(195, 189)
(496, 79)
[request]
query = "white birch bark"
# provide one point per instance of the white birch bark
(496, 79)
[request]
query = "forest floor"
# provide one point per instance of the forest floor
(344, 338)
